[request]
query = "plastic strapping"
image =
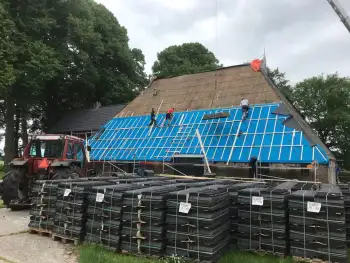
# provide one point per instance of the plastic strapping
(49, 205)
(177, 208)
(271, 211)
(131, 219)
(304, 207)
(53, 205)
(110, 216)
(150, 225)
(329, 244)
(74, 208)
(250, 220)
(197, 225)
(259, 217)
(93, 216)
(63, 197)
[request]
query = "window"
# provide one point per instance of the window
(47, 149)
(70, 151)
(79, 150)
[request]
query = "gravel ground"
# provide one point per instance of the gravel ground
(18, 246)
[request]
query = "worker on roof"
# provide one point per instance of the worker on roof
(245, 108)
(169, 116)
(252, 167)
(153, 118)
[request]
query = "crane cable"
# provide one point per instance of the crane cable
(216, 46)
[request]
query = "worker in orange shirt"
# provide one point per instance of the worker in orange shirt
(169, 116)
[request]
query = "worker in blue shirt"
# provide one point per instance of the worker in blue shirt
(153, 118)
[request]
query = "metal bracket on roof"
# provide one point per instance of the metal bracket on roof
(100, 132)
(282, 110)
(218, 115)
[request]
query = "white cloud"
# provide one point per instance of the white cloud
(302, 37)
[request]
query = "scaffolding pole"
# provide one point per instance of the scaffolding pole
(234, 142)
(174, 169)
(203, 150)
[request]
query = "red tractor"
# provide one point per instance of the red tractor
(46, 157)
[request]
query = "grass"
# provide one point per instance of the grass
(5, 260)
(94, 254)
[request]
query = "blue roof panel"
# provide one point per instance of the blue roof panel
(262, 135)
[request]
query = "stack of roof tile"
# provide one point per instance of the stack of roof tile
(44, 196)
(71, 205)
(143, 220)
(274, 219)
(233, 193)
(345, 189)
(250, 202)
(317, 224)
(198, 223)
(104, 213)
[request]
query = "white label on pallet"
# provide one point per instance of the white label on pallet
(257, 200)
(67, 192)
(313, 207)
(184, 207)
(139, 196)
(99, 197)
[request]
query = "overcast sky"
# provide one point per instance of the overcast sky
(301, 37)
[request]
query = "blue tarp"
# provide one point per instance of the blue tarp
(262, 135)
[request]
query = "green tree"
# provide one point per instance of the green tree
(280, 80)
(33, 64)
(324, 101)
(98, 63)
(184, 59)
(64, 55)
(7, 75)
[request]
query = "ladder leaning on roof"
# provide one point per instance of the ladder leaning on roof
(176, 141)
(235, 140)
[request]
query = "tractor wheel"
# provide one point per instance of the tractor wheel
(15, 186)
(72, 172)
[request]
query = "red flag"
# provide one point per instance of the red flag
(256, 64)
(44, 164)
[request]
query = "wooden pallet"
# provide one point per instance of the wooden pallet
(40, 232)
(65, 240)
(309, 260)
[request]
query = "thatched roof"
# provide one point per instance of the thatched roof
(224, 87)
(221, 88)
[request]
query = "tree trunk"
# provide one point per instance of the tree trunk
(16, 131)
(24, 129)
(9, 133)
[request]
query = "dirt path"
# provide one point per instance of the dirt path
(18, 246)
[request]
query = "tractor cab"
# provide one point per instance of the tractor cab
(44, 151)
(46, 157)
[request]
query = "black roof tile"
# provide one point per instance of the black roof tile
(86, 119)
